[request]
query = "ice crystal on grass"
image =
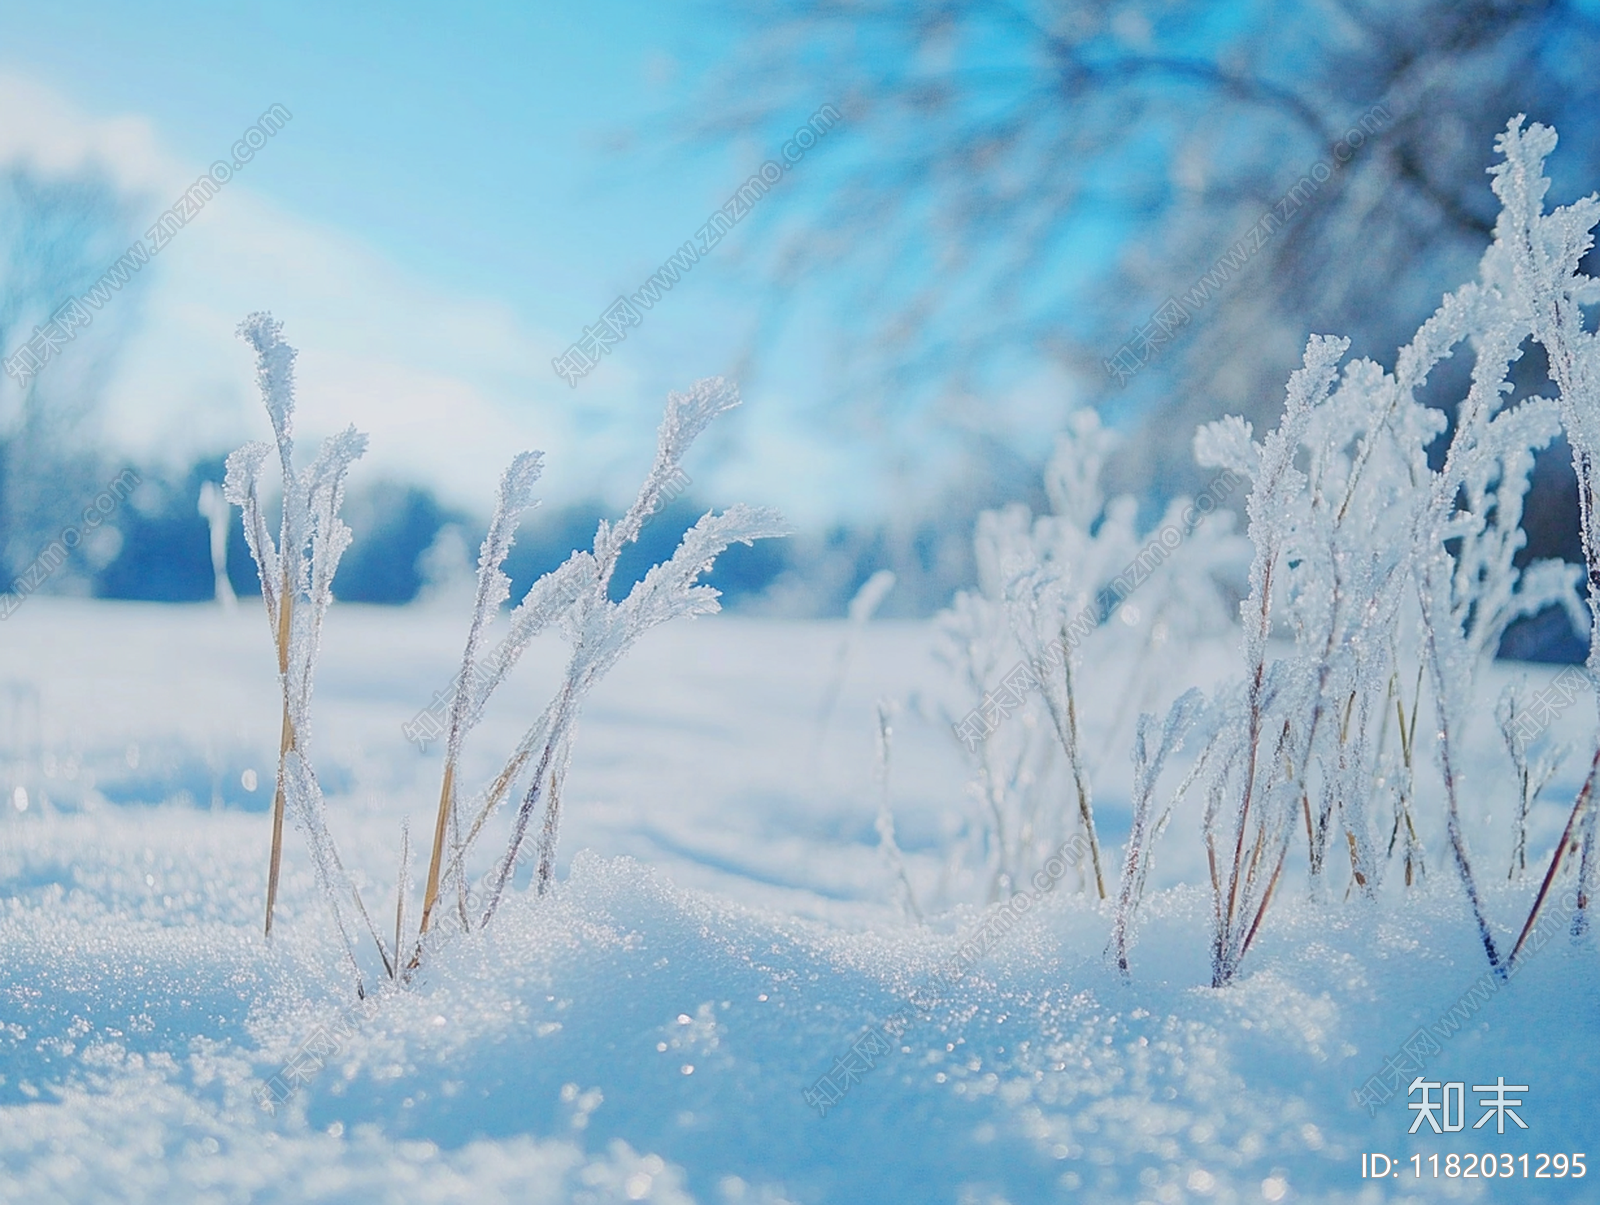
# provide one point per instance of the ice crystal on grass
(600, 632)
(1048, 589)
(514, 498)
(1147, 826)
(1392, 570)
(1354, 555)
(296, 586)
(1534, 263)
(1251, 795)
(1382, 566)
(576, 598)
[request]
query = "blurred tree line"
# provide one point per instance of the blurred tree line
(1016, 192)
(58, 234)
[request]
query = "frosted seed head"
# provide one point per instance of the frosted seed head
(516, 483)
(1226, 444)
(1072, 479)
(274, 370)
(244, 469)
(688, 414)
(334, 458)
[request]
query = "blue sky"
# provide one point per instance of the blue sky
(464, 141)
(446, 211)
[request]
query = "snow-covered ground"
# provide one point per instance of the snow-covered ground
(725, 929)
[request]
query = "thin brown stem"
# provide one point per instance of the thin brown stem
(547, 838)
(1266, 899)
(1355, 860)
(1085, 811)
(1580, 805)
(286, 742)
(430, 894)
(1253, 734)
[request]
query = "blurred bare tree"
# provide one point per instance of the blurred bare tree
(58, 234)
(1018, 184)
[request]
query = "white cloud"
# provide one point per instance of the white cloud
(447, 387)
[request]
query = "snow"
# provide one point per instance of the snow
(809, 939)
(723, 928)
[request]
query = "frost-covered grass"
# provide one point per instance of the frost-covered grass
(1384, 547)
(297, 572)
(1339, 838)
(716, 863)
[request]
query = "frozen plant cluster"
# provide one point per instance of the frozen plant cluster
(1382, 575)
(297, 587)
(1076, 592)
(576, 597)
(1395, 579)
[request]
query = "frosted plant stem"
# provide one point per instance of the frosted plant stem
(1216, 908)
(547, 835)
(519, 831)
(390, 965)
(446, 806)
(1146, 827)
(495, 795)
(402, 889)
(1080, 783)
(1580, 916)
(529, 801)
(492, 800)
(1252, 736)
(1527, 789)
(1591, 551)
(1138, 835)
(1458, 847)
(1458, 842)
(885, 822)
(331, 875)
(431, 891)
(1066, 725)
(1408, 744)
(285, 744)
(1244, 948)
(552, 807)
(599, 630)
(1579, 807)
(461, 879)
(1583, 462)
(1547, 251)
(513, 499)
(338, 875)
